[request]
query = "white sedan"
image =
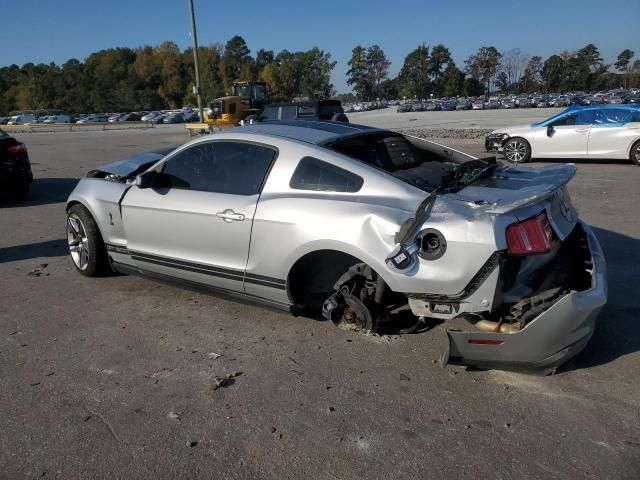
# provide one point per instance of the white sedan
(599, 131)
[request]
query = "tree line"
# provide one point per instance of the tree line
(425, 73)
(153, 78)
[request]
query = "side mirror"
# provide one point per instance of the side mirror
(147, 179)
(549, 130)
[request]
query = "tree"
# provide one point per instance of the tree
(413, 79)
(377, 68)
(357, 73)
(552, 73)
(236, 54)
(531, 75)
(512, 65)
(622, 65)
(483, 66)
(440, 56)
(453, 81)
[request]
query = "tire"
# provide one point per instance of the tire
(634, 154)
(86, 248)
(340, 117)
(20, 192)
(517, 150)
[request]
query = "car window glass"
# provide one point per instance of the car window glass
(635, 117)
(289, 112)
(314, 174)
(589, 117)
(616, 115)
(568, 120)
(224, 167)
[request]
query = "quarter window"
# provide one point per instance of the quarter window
(568, 120)
(223, 167)
(314, 174)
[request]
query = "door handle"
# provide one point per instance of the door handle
(230, 216)
(582, 130)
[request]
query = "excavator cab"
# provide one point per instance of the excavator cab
(247, 98)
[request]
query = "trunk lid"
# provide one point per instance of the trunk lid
(524, 192)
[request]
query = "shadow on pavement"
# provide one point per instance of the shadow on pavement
(49, 248)
(43, 191)
(618, 329)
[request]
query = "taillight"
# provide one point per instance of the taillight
(530, 236)
(20, 148)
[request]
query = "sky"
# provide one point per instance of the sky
(43, 31)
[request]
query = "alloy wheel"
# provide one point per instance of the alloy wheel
(515, 151)
(78, 241)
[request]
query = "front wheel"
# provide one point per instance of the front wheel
(86, 247)
(634, 155)
(517, 150)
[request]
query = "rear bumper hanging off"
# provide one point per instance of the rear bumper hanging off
(547, 341)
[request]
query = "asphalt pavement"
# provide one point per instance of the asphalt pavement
(116, 377)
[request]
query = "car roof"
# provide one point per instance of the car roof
(317, 132)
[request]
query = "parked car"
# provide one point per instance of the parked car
(173, 117)
(21, 119)
(522, 102)
(478, 105)
(404, 107)
(346, 222)
(129, 117)
(602, 131)
(56, 119)
(463, 104)
(493, 103)
(15, 167)
(94, 119)
(448, 104)
(303, 110)
(507, 103)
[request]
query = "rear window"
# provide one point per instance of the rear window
(316, 175)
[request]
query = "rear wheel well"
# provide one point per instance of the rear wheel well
(312, 278)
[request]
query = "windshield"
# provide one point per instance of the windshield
(259, 92)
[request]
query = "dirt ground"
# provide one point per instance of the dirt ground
(114, 377)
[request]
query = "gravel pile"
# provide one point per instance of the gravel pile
(458, 133)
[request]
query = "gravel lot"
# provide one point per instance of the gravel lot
(114, 377)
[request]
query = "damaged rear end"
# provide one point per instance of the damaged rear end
(543, 287)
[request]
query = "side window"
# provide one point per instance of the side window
(316, 175)
(616, 115)
(289, 112)
(568, 120)
(635, 116)
(589, 117)
(223, 167)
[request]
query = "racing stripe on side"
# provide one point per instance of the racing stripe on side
(212, 270)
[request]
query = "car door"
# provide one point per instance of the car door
(565, 137)
(196, 223)
(612, 133)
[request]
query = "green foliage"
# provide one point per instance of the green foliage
(300, 74)
(154, 78)
(453, 83)
(413, 80)
(368, 68)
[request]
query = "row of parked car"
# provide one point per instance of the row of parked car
(186, 115)
(523, 101)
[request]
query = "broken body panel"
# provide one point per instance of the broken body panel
(458, 261)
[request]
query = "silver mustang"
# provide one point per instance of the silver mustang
(356, 224)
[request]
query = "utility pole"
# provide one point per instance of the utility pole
(196, 89)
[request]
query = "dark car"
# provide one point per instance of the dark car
(15, 168)
(304, 110)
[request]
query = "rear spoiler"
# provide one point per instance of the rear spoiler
(542, 184)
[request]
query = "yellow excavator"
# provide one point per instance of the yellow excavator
(247, 99)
